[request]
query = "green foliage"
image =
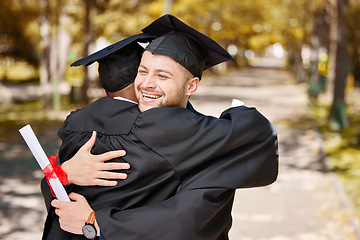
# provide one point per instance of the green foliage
(19, 72)
(30, 111)
(249, 24)
(343, 149)
(234, 24)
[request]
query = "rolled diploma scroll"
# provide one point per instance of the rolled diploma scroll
(33, 143)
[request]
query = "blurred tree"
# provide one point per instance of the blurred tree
(88, 39)
(111, 19)
(233, 24)
(55, 45)
(320, 44)
(19, 37)
(120, 19)
(45, 56)
(167, 6)
(237, 23)
(294, 31)
(354, 38)
(339, 49)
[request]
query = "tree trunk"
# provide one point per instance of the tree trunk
(320, 45)
(88, 38)
(45, 60)
(338, 108)
(61, 48)
(65, 40)
(167, 6)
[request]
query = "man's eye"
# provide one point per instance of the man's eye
(142, 72)
(163, 76)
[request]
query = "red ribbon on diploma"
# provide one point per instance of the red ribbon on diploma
(53, 171)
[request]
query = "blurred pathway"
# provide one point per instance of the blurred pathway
(301, 205)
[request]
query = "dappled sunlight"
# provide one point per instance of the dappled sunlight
(20, 204)
(19, 194)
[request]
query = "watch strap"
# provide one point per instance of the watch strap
(91, 218)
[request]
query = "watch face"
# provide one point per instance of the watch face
(89, 231)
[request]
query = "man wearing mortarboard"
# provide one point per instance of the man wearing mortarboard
(118, 64)
(184, 167)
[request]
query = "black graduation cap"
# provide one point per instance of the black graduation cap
(192, 49)
(118, 63)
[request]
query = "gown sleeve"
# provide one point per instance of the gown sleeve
(240, 147)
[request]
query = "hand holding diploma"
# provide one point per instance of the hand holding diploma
(40, 156)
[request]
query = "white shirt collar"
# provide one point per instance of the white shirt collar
(124, 99)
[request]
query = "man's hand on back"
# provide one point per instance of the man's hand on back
(86, 169)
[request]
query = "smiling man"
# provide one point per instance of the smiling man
(184, 167)
(163, 82)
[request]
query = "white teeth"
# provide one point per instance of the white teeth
(151, 96)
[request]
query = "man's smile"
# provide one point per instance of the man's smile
(150, 96)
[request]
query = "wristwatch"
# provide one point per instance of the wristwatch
(89, 229)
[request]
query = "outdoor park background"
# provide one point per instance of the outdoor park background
(317, 39)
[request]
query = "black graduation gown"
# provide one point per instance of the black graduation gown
(184, 168)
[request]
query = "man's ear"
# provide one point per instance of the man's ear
(192, 86)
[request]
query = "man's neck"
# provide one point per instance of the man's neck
(127, 93)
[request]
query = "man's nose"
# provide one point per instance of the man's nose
(149, 82)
